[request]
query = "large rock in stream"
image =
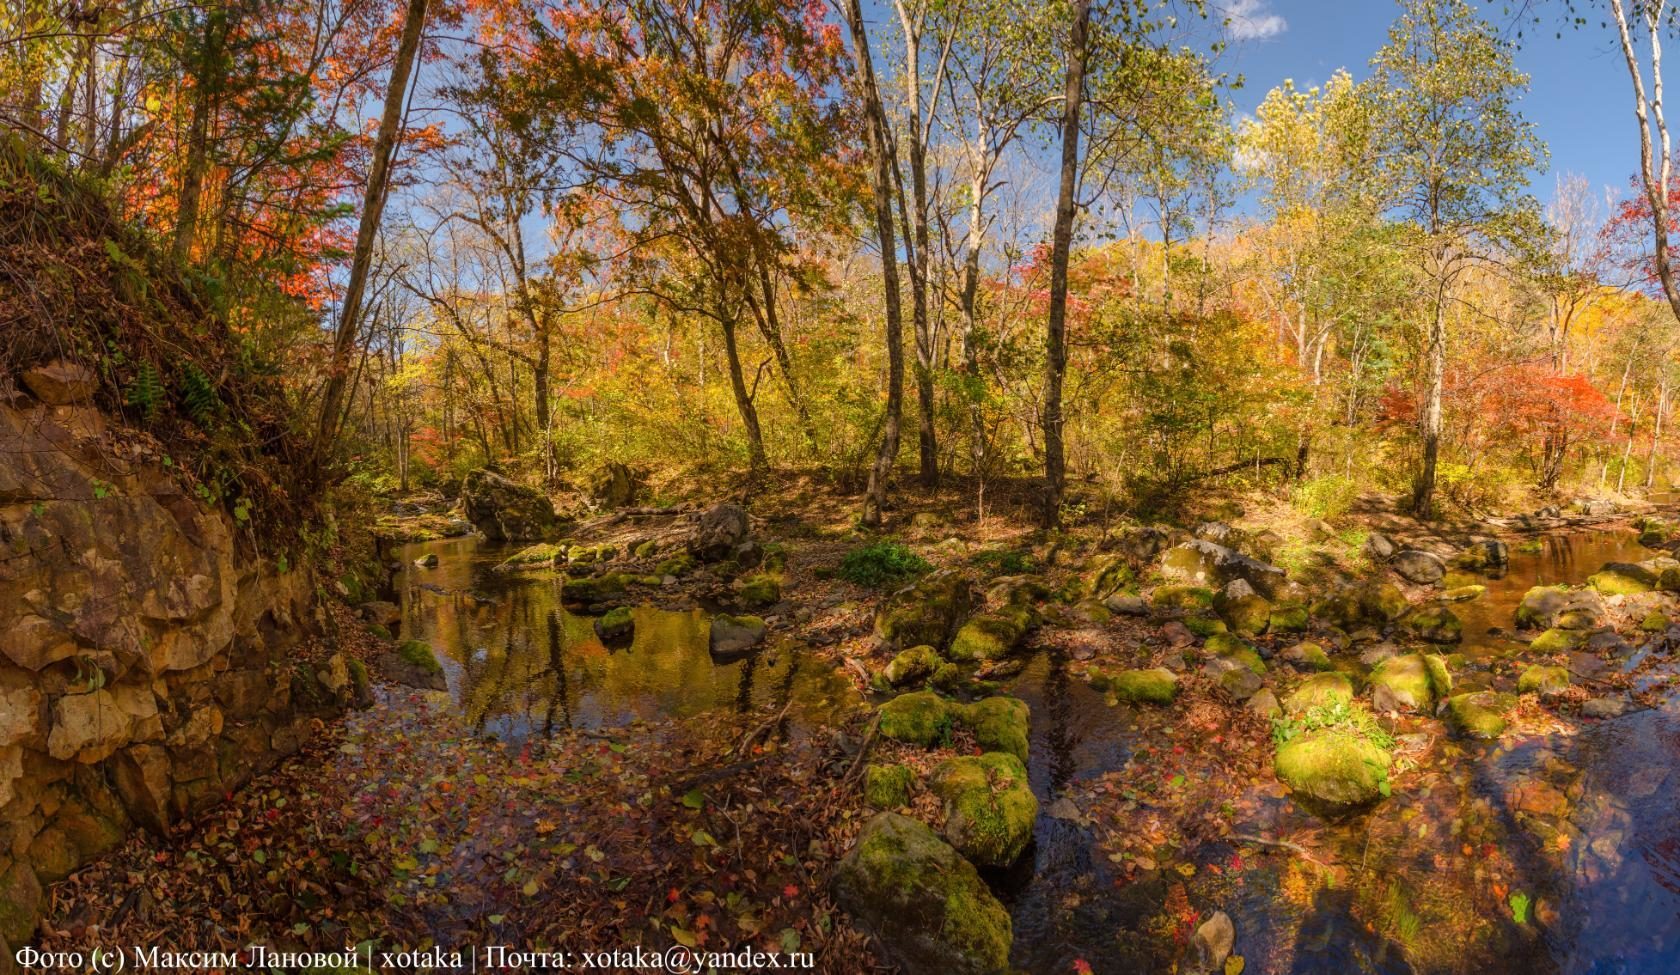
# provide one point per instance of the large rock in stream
(719, 531)
(926, 612)
(923, 901)
(505, 510)
(1332, 771)
(1204, 563)
(989, 807)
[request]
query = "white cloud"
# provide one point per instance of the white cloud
(1251, 20)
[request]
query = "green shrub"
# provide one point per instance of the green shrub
(882, 564)
(1324, 497)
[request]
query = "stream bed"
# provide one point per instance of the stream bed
(1557, 852)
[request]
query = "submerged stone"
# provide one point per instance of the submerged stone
(926, 905)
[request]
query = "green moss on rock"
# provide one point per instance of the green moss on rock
(991, 636)
(1481, 714)
(919, 718)
(1557, 641)
(887, 786)
(1155, 685)
(1181, 599)
(1622, 579)
(989, 806)
(1307, 656)
(1235, 649)
(593, 590)
(761, 589)
(1205, 626)
(912, 666)
(616, 625)
(927, 612)
(420, 654)
(1404, 681)
(1288, 618)
(1543, 680)
(1434, 624)
(1332, 770)
(924, 903)
(1319, 690)
(998, 723)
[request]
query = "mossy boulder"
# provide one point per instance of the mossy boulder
(999, 724)
(918, 718)
(1205, 626)
(992, 635)
(1403, 682)
(926, 612)
(540, 555)
(1623, 579)
(676, 565)
(887, 786)
(1440, 674)
(1288, 618)
(989, 806)
(760, 589)
(911, 667)
(1246, 611)
(1319, 690)
(1544, 607)
(1307, 656)
(1481, 714)
(1181, 598)
(1463, 594)
(1333, 770)
(412, 664)
(1543, 680)
(923, 902)
(616, 626)
(1655, 621)
(1237, 650)
(1557, 641)
(1154, 685)
(731, 638)
(1108, 576)
(1434, 623)
(587, 591)
(1374, 603)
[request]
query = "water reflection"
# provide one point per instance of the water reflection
(519, 664)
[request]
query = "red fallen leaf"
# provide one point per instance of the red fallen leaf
(672, 895)
(790, 892)
(1082, 966)
(1236, 861)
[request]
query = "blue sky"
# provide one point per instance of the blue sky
(1580, 98)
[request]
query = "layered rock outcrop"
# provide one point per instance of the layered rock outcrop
(148, 663)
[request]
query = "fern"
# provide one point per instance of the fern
(198, 395)
(146, 392)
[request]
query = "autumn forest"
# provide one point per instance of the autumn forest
(852, 485)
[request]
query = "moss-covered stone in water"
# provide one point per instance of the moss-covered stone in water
(1288, 618)
(1181, 599)
(1557, 641)
(1543, 680)
(924, 903)
(1205, 626)
(912, 666)
(887, 786)
(592, 590)
(1403, 681)
(1233, 648)
(1155, 685)
(1319, 690)
(1435, 624)
(542, 554)
(990, 636)
(999, 724)
(1622, 579)
(1481, 714)
(989, 806)
(1463, 594)
(420, 655)
(920, 718)
(1440, 674)
(1333, 769)
(1382, 602)
(617, 625)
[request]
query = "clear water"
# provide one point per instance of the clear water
(519, 664)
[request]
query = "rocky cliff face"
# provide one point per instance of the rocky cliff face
(147, 666)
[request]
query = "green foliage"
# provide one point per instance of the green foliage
(1009, 562)
(1338, 714)
(882, 564)
(145, 393)
(1324, 497)
(198, 395)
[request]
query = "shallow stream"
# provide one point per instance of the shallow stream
(1551, 853)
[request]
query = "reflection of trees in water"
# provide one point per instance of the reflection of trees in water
(1059, 736)
(744, 688)
(559, 703)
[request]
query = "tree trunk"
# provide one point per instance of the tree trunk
(373, 206)
(1429, 418)
(743, 398)
(881, 148)
(927, 438)
(198, 134)
(1656, 436)
(975, 386)
(1061, 243)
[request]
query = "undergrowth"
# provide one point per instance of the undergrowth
(882, 564)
